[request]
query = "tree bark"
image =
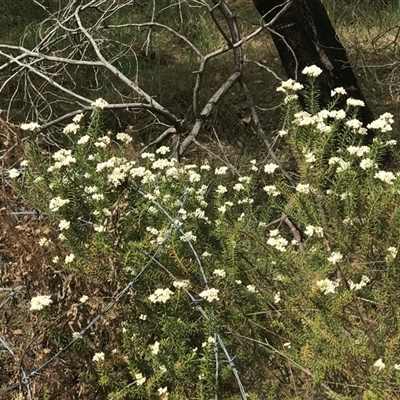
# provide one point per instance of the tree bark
(304, 36)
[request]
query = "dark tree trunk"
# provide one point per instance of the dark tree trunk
(304, 36)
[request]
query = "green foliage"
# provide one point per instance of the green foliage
(237, 282)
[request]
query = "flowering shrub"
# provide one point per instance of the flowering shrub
(245, 286)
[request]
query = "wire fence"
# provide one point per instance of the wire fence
(220, 351)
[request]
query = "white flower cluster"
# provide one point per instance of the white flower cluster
(290, 86)
(335, 257)
(161, 295)
(327, 286)
(355, 102)
(98, 357)
(309, 157)
(392, 253)
(210, 294)
(312, 71)
(155, 348)
(56, 203)
(338, 91)
(270, 168)
(319, 120)
(140, 379)
(385, 176)
(383, 123)
(356, 126)
(182, 284)
(272, 190)
(38, 302)
(367, 163)
(277, 241)
(71, 129)
(63, 158)
(221, 170)
(358, 151)
(124, 137)
(99, 104)
(314, 230)
(357, 286)
(32, 126)
(14, 173)
(303, 188)
(220, 273)
(340, 163)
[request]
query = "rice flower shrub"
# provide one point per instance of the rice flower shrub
(239, 286)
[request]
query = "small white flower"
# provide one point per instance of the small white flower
(56, 203)
(84, 299)
(163, 150)
(182, 284)
(32, 126)
(289, 86)
(78, 118)
(354, 124)
(161, 295)
(238, 187)
(312, 71)
(71, 129)
(392, 253)
(251, 288)
(83, 139)
(278, 242)
(277, 297)
(219, 272)
(206, 254)
(98, 357)
(397, 367)
(38, 302)
(358, 150)
(357, 286)
(354, 102)
(64, 225)
(270, 168)
(282, 133)
(221, 170)
(327, 286)
(385, 176)
(14, 173)
(383, 123)
(303, 188)
(338, 91)
(124, 137)
(379, 364)
(143, 317)
(162, 391)
(140, 379)
(335, 257)
(69, 258)
(271, 190)
(189, 236)
(337, 114)
(100, 104)
(210, 294)
(367, 163)
(309, 157)
(155, 348)
(44, 242)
